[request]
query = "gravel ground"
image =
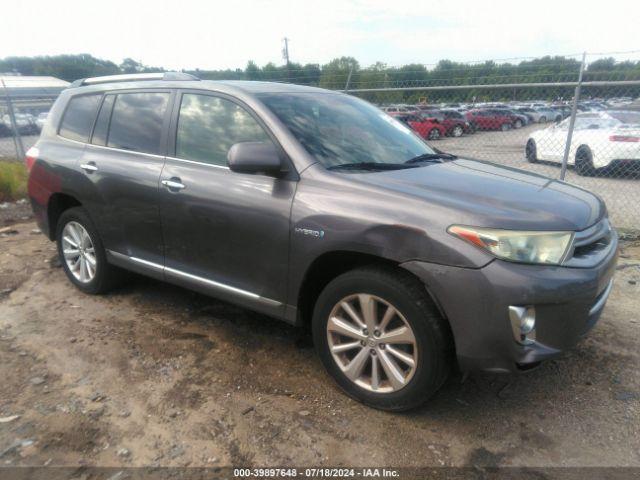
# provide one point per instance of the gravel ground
(12, 212)
(156, 375)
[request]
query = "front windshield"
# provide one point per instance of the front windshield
(339, 129)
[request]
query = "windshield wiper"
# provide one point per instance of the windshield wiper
(369, 166)
(431, 157)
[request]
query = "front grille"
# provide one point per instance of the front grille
(590, 246)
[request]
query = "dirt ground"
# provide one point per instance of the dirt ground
(156, 375)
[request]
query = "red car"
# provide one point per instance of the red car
(454, 123)
(425, 127)
(491, 119)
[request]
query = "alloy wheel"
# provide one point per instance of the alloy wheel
(372, 343)
(79, 252)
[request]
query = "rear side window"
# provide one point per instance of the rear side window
(102, 123)
(208, 127)
(79, 116)
(136, 121)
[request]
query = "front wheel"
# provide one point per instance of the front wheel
(505, 127)
(82, 255)
(518, 124)
(381, 338)
(457, 131)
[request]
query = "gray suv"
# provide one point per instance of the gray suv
(316, 208)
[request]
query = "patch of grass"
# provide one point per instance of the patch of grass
(13, 181)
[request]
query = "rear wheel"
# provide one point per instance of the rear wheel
(584, 162)
(82, 255)
(518, 124)
(381, 338)
(505, 126)
(457, 131)
(531, 151)
(543, 119)
(434, 134)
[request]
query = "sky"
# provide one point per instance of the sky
(212, 34)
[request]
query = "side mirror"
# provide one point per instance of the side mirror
(254, 157)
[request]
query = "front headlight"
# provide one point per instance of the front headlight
(517, 246)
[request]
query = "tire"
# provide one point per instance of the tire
(431, 351)
(505, 127)
(518, 124)
(558, 118)
(434, 134)
(105, 276)
(584, 162)
(531, 151)
(457, 131)
(543, 119)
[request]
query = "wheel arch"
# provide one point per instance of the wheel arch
(58, 203)
(330, 265)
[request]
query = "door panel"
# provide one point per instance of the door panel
(122, 171)
(123, 200)
(228, 227)
(225, 233)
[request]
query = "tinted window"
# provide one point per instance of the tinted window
(102, 123)
(208, 127)
(136, 121)
(79, 117)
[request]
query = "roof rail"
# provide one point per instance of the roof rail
(134, 77)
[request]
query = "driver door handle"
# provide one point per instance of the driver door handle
(89, 167)
(173, 184)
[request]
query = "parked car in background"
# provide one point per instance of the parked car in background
(599, 140)
(397, 109)
(563, 111)
(41, 120)
(532, 115)
(427, 128)
(5, 129)
(547, 114)
(520, 119)
(454, 123)
(26, 123)
(491, 119)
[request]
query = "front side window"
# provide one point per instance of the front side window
(136, 121)
(79, 117)
(339, 129)
(209, 126)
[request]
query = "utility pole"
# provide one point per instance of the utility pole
(285, 55)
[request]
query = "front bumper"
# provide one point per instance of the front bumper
(568, 303)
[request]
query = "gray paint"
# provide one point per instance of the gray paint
(259, 234)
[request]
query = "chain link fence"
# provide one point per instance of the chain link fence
(22, 115)
(571, 118)
(584, 130)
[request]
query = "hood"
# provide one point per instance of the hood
(486, 195)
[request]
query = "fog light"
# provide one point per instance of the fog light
(523, 324)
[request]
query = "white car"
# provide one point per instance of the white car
(41, 120)
(599, 140)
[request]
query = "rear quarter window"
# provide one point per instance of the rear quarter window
(79, 116)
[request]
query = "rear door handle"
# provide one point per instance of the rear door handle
(173, 184)
(89, 167)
